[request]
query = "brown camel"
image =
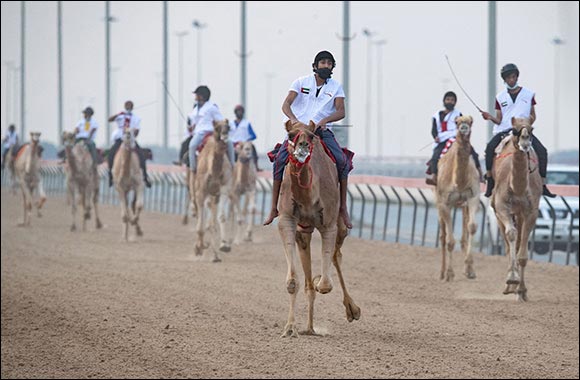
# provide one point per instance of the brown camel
(457, 186)
(212, 183)
(26, 167)
(244, 178)
(127, 176)
(310, 199)
(516, 199)
(82, 180)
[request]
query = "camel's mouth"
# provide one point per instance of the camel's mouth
(301, 155)
(464, 129)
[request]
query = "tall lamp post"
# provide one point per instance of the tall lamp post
(557, 41)
(198, 25)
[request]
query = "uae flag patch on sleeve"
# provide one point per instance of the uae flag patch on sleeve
(305, 90)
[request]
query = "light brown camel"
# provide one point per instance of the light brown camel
(9, 163)
(515, 200)
(457, 186)
(26, 167)
(82, 180)
(244, 179)
(212, 183)
(127, 176)
(310, 199)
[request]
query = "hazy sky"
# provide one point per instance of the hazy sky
(283, 39)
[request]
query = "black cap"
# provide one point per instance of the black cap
(324, 55)
(88, 110)
(508, 69)
(450, 94)
(203, 91)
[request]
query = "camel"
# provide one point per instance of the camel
(26, 167)
(127, 176)
(515, 200)
(457, 186)
(81, 179)
(310, 199)
(212, 183)
(9, 163)
(244, 178)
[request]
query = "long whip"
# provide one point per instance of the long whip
(459, 84)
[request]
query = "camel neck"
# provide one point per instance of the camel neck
(126, 168)
(461, 164)
(72, 164)
(519, 175)
(218, 160)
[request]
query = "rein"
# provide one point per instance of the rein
(299, 164)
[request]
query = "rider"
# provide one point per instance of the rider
(126, 119)
(319, 98)
(514, 101)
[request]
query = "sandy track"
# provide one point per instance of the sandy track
(80, 305)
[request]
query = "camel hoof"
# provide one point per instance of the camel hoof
(509, 289)
(248, 237)
(325, 288)
(139, 231)
(99, 224)
(73, 228)
(216, 260)
(352, 311)
(512, 279)
(291, 286)
(449, 276)
(39, 214)
(310, 332)
(184, 221)
(290, 331)
(224, 247)
(198, 250)
(522, 295)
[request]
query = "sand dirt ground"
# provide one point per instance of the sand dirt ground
(86, 305)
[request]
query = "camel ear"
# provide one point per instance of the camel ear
(288, 126)
(513, 120)
(238, 148)
(311, 126)
(470, 120)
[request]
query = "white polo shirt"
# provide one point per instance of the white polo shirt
(125, 119)
(307, 106)
(11, 139)
(242, 131)
(85, 127)
(203, 118)
(522, 107)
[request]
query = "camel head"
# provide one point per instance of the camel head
(300, 140)
(221, 130)
(34, 137)
(464, 126)
(68, 139)
(128, 139)
(244, 151)
(522, 133)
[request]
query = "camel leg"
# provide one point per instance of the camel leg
(199, 227)
(98, 223)
(287, 229)
(193, 195)
(124, 213)
(527, 227)
(469, 229)
(223, 219)
(41, 198)
(83, 202)
(352, 310)
(510, 234)
(447, 249)
(72, 197)
(249, 209)
(328, 243)
(27, 205)
(137, 208)
(442, 243)
(303, 241)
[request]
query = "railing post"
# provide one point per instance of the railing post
(426, 216)
(386, 213)
(374, 210)
(398, 215)
(551, 255)
(362, 211)
(570, 229)
(414, 215)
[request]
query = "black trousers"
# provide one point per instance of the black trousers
(184, 149)
(540, 149)
(115, 148)
(437, 153)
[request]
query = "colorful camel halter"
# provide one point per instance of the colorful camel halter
(300, 162)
